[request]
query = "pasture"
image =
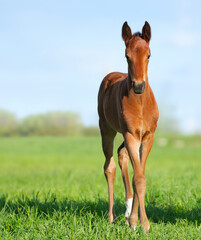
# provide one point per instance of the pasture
(54, 188)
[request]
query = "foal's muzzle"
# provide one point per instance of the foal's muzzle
(138, 87)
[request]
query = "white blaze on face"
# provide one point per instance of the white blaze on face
(128, 204)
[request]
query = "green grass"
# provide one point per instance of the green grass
(54, 188)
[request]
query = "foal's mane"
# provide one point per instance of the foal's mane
(137, 34)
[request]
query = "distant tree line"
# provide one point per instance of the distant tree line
(55, 123)
(58, 123)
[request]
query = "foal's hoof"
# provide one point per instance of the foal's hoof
(133, 222)
(133, 227)
(111, 218)
(146, 226)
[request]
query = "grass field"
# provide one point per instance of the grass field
(54, 188)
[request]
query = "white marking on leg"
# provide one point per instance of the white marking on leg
(128, 204)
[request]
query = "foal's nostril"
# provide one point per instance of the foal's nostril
(138, 87)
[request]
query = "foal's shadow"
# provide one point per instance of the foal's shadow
(51, 203)
(171, 214)
(98, 207)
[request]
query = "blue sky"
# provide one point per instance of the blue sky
(54, 55)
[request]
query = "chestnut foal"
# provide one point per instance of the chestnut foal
(126, 104)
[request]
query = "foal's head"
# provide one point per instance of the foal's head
(137, 54)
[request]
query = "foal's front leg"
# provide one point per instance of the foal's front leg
(139, 182)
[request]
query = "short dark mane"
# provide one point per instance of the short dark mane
(137, 34)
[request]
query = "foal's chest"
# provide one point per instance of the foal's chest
(140, 118)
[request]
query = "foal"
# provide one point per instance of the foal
(126, 104)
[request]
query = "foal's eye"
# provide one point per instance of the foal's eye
(148, 56)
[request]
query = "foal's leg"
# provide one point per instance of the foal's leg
(139, 181)
(144, 151)
(109, 167)
(146, 148)
(123, 158)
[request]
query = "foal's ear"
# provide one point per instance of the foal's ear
(126, 32)
(146, 32)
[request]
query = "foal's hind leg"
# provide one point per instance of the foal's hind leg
(109, 167)
(123, 158)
